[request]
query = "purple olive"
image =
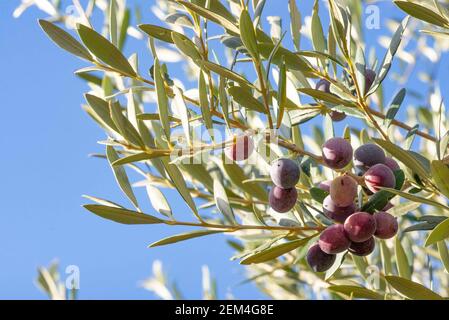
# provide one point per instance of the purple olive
(368, 155)
(360, 226)
(319, 260)
(333, 239)
(387, 225)
(282, 200)
(323, 85)
(336, 213)
(284, 173)
(379, 176)
(362, 248)
(337, 153)
(392, 164)
(343, 190)
(337, 116)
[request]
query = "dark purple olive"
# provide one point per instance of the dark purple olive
(319, 260)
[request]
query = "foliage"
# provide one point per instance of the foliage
(262, 83)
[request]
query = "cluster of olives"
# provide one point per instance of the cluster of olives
(324, 86)
(285, 175)
(353, 230)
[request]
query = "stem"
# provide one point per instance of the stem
(404, 126)
(230, 228)
(362, 101)
(263, 89)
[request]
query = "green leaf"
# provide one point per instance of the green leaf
(319, 42)
(120, 175)
(140, 157)
(422, 13)
(248, 35)
(403, 208)
(123, 29)
(318, 194)
(182, 237)
(444, 254)
(183, 112)
(295, 23)
(282, 94)
(440, 232)
(178, 181)
(158, 201)
(222, 202)
(64, 40)
(386, 257)
(411, 290)
(415, 198)
(274, 251)
(356, 292)
(324, 96)
(113, 22)
(336, 266)
(292, 60)
(303, 115)
(125, 127)
(225, 73)
(401, 260)
(101, 112)
(186, 46)
(162, 98)
(212, 16)
(246, 99)
(320, 55)
(204, 103)
(394, 107)
(120, 215)
(430, 222)
(158, 32)
(104, 50)
(389, 55)
(405, 157)
(237, 176)
(440, 176)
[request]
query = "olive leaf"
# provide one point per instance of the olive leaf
(64, 40)
(104, 50)
(183, 237)
(411, 290)
(121, 215)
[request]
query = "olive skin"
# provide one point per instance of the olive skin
(379, 176)
(368, 155)
(386, 225)
(337, 153)
(392, 164)
(318, 260)
(284, 173)
(333, 239)
(362, 248)
(336, 213)
(282, 200)
(360, 226)
(343, 190)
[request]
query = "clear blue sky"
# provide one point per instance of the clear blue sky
(45, 139)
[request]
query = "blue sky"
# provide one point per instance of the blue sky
(46, 139)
